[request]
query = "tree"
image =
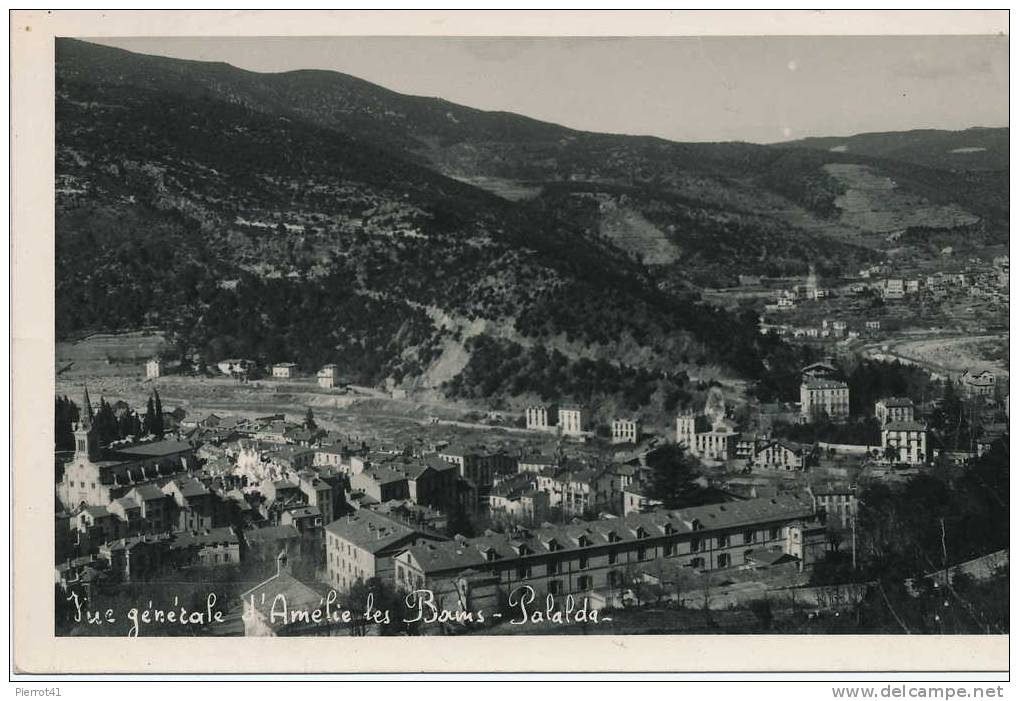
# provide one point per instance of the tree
(673, 472)
(106, 423)
(384, 597)
(309, 420)
(129, 425)
(159, 428)
(891, 453)
(149, 420)
(65, 415)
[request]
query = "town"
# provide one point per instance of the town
(735, 505)
(337, 360)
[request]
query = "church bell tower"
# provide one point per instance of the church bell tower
(85, 445)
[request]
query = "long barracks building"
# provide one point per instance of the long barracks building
(596, 555)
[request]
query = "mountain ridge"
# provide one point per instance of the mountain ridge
(331, 226)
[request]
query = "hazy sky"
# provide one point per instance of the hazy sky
(760, 89)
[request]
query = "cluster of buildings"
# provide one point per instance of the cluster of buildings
(810, 290)
(593, 559)
(827, 330)
(328, 377)
(565, 420)
(572, 421)
(226, 491)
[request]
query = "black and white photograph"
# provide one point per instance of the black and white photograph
(455, 336)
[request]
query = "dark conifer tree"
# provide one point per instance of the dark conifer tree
(149, 420)
(159, 426)
(106, 423)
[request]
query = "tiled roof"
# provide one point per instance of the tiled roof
(271, 534)
(824, 384)
(461, 553)
(299, 596)
(896, 401)
(127, 503)
(155, 449)
(191, 488)
(370, 531)
(201, 539)
(829, 488)
(384, 475)
(782, 442)
(904, 426)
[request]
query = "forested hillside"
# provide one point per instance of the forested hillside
(314, 217)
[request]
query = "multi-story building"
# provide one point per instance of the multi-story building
(893, 409)
(153, 368)
(541, 418)
(978, 384)
(284, 371)
(536, 463)
(156, 507)
(626, 431)
(591, 556)
(571, 421)
(781, 455)
(894, 288)
(380, 483)
(908, 438)
(573, 491)
(820, 397)
(196, 507)
(209, 547)
(328, 376)
(717, 442)
(519, 500)
(317, 492)
(637, 499)
(362, 545)
(473, 465)
(432, 482)
(837, 502)
(330, 456)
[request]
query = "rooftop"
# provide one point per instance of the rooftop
(384, 475)
(904, 426)
(304, 512)
(370, 530)
(271, 534)
(815, 383)
(471, 552)
(298, 596)
(214, 536)
(155, 449)
(896, 401)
